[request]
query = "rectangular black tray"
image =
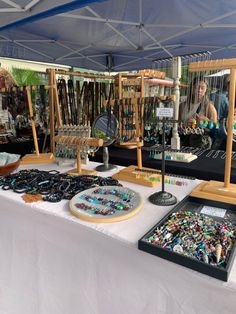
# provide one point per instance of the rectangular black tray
(200, 266)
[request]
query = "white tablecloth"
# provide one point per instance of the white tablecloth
(53, 263)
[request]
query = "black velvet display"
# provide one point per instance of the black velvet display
(203, 168)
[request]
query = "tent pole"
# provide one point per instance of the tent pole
(175, 140)
(230, 128)
(51, 75)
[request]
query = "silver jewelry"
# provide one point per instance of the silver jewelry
(210, 153)
(201, 151)
(223, 155)
(216, 154)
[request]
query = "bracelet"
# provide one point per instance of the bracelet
(216, 154)
(201, 151)
(223, 156)
(210, 153)
(234, 155)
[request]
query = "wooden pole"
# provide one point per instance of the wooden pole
(85, 75)
(142, 86)
(32, 121)
(230, 128)
(120, 86)
(78, 159)
(51, 74)
(139, 157)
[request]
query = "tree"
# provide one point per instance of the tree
(26, 77)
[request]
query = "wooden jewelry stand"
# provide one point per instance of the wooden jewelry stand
(36, 158)
(138, 174)
(72, 140)
(215, 190)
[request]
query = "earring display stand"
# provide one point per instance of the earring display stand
(137, 173)
(214, 190)
(163, 198)
(73, 140)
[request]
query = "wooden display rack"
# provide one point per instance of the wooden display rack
(37, 158)
(142, 177)
(214, 190)
(54, 100)
(131, 173)
(73, 140)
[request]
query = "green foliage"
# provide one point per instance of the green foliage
(185, 77)
(26, 77)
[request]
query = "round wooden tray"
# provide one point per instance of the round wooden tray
(118, 215)
(4, 170)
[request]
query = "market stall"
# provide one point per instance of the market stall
(56, 263)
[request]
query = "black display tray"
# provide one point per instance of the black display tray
(195, 204)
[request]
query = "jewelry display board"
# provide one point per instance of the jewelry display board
(197, 233)
(106, 204)
(143, 176)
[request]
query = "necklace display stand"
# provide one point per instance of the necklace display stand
(163, 198)
(215, 190)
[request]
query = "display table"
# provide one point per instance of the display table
(53, 263)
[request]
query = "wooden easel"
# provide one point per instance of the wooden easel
(214, 190)
(77, 141)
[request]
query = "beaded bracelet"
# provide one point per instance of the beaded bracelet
(53, 185)
(197, 236)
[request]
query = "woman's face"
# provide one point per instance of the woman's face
(200, 90)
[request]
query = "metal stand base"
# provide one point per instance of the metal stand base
(162, 199)
(104, 167)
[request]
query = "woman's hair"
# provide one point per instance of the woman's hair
(205, 99)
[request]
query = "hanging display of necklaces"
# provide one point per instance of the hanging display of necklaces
(97, 99)
(62, 95)
(78, 98)
(41, 106)
(16, 102)
(71, 97)
(91, 113)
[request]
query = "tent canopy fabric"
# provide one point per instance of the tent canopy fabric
(116, 35)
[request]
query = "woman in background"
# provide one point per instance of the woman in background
(196, 110)
(198, 106)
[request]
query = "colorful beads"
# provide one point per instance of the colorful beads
(106, 201)
(197, 236)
